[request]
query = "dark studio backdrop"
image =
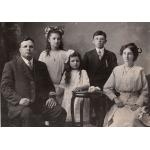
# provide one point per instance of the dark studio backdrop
(78, 36)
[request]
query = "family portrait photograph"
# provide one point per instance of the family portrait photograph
(74, 74)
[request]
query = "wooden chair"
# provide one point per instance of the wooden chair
(84, 95)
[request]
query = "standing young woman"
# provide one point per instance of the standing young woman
(54, 56)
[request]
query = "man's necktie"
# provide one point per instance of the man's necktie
(30, 65)
(99, 55)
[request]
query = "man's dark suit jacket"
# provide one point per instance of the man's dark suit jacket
(18, 81)
(99, 70)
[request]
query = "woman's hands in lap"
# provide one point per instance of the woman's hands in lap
(134, 107)
(118, 103)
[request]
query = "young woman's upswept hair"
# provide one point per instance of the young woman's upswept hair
(68, 68)
(135, 50)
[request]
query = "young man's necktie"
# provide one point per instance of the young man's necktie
(99, 55)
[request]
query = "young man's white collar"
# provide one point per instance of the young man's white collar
(101, 50)
(27, 61)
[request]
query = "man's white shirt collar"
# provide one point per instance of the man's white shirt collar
(101, 50)
(27, 61)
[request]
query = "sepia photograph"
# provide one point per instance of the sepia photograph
(75, 74)
(70, 70)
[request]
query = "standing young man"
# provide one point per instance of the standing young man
(99, 64)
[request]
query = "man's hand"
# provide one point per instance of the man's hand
(24, 101)
(52, 94)
(50, 103)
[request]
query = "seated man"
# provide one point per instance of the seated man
(28, 89)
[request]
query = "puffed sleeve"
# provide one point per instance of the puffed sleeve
(41, 57)
(109, 86)
(144, 91)
(68, 53)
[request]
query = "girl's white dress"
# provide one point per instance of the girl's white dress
(133, 89)
(75, 81)
(55, 64)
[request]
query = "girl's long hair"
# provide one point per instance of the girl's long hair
(68, 68)
(48, 44)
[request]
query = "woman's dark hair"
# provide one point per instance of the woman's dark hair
(100, 33)
(48, 44)
(68, 67)
(135, 50)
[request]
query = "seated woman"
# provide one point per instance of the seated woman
(130, 82)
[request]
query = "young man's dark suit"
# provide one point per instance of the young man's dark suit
(18, 81)
(98, 72)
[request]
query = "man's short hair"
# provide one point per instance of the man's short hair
(99, 32)
(27, 38)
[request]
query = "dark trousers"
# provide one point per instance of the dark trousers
(100, 104)
(30, 116)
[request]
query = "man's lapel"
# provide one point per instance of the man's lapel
(23, 66)
(95, 57)
(27, 72)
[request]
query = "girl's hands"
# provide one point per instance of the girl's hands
(77, 89)
(81, 88)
